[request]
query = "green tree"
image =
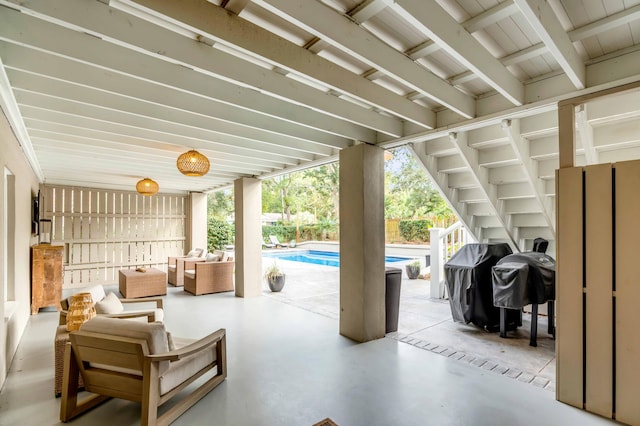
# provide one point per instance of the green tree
(220, 205)
(325, 191)
(409, 191)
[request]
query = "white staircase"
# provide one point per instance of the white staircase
(499, 178)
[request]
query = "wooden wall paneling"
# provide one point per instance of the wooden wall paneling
(627, 286)
(569, 286)
(58, 225)
(118, 208)
(46, 201)
(599, 289)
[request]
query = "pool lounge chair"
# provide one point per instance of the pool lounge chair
(274, 240)
(267, 245)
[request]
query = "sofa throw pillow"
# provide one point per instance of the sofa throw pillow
(109, 305)
(211, 257)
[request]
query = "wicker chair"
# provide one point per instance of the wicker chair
(139, 362)
(176, 267)
(209, 277)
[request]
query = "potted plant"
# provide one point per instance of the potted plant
(274, 277)
(413, 269)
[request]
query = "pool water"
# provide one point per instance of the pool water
(318, 257)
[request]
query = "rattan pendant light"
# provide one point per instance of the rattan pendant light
(147, 187)
(192, 163)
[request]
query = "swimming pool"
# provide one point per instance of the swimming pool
(318, 257)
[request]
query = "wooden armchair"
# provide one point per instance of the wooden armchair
(149, 307)
(136, 361)
(209, 277)
(176, 267)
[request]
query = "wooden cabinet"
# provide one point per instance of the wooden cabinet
(46, 276)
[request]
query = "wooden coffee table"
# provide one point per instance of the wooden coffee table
(134, 284)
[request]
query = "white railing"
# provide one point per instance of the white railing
(444, 244)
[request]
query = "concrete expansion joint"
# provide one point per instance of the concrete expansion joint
(485, 364)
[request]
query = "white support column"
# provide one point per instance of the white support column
(248, 250)
(362, 270)
(197, 223)
(436, 263)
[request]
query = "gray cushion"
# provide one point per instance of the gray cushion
(109, 305)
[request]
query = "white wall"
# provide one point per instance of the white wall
(26, 187)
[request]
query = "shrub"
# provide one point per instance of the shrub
(415, 230)
(219, 234)
(284, 233)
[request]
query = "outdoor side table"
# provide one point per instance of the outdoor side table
(134, 284)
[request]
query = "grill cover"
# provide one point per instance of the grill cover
(468, 279)
(524, 278)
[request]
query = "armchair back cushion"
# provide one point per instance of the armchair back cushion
(153, 333)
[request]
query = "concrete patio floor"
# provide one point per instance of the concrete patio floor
(427, 324)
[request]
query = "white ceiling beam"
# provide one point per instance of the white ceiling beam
(445, 31)
(325, 23)
(578, 34)
(521, 148)
(367, 10)
(545, 23)
(216, 23)
(488, 17)
(481, 175)
(585, 134)
(142, 36)
(235, 6)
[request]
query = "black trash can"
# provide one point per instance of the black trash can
(393, 278)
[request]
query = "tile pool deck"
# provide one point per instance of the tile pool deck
(427, 324)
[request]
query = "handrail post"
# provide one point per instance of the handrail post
(437, 263)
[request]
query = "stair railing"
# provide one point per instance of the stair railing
(444, 244)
